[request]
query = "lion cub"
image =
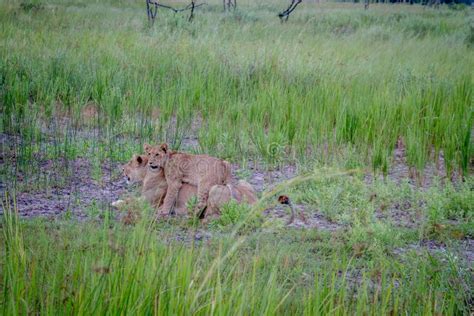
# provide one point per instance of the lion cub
(154, 184)
(179, 168)
(243, 192)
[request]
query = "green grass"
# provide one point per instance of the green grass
(336, 86)
(107, 268)
(251, 264)
(334, 76)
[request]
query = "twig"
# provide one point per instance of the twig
(152, 13)
(189, 7)
(149, 10)
(191, 15)
(228, 4)
(286, 14)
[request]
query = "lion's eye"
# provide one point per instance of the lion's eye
(156, 155)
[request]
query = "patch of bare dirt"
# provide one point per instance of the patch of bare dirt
(262, 179)
(79, 192)
(464, 249)
(303, 218)
(401, 215)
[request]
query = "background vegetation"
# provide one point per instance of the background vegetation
(334, 86)
(334, 76)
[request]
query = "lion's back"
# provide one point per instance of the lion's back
(198, 168)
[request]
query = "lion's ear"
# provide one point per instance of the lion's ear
(139, 159)
(147, 147)
(164, 147)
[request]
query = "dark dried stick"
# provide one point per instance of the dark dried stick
(286, 14)
(228, 4)
(191, 14)
(152, 13)
(190, 6)
(149, 10)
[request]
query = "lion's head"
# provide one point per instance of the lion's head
(135, 169)
(157, 156)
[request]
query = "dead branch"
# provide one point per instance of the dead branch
(149, 10)
(286, 14)
(152, 9)
(230, 4)
(191, 15)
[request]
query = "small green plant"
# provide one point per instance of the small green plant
(191, 205)
(460, 203)
(67, 215)
(96, 170)
(93, 211)
(458, 7)
(470, 36)
(243, 173)
(234, 213)
(31, 5)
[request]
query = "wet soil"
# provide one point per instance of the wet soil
(80, 194)
(80, 191)
(463, 250)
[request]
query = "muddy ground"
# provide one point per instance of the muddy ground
(80, 195)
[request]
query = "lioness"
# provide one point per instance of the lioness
(243, 192)
(200, 170)
(154, 184)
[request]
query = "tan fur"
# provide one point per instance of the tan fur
(136, 170)
(243, 192)
(154, 184)
(179, 168)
